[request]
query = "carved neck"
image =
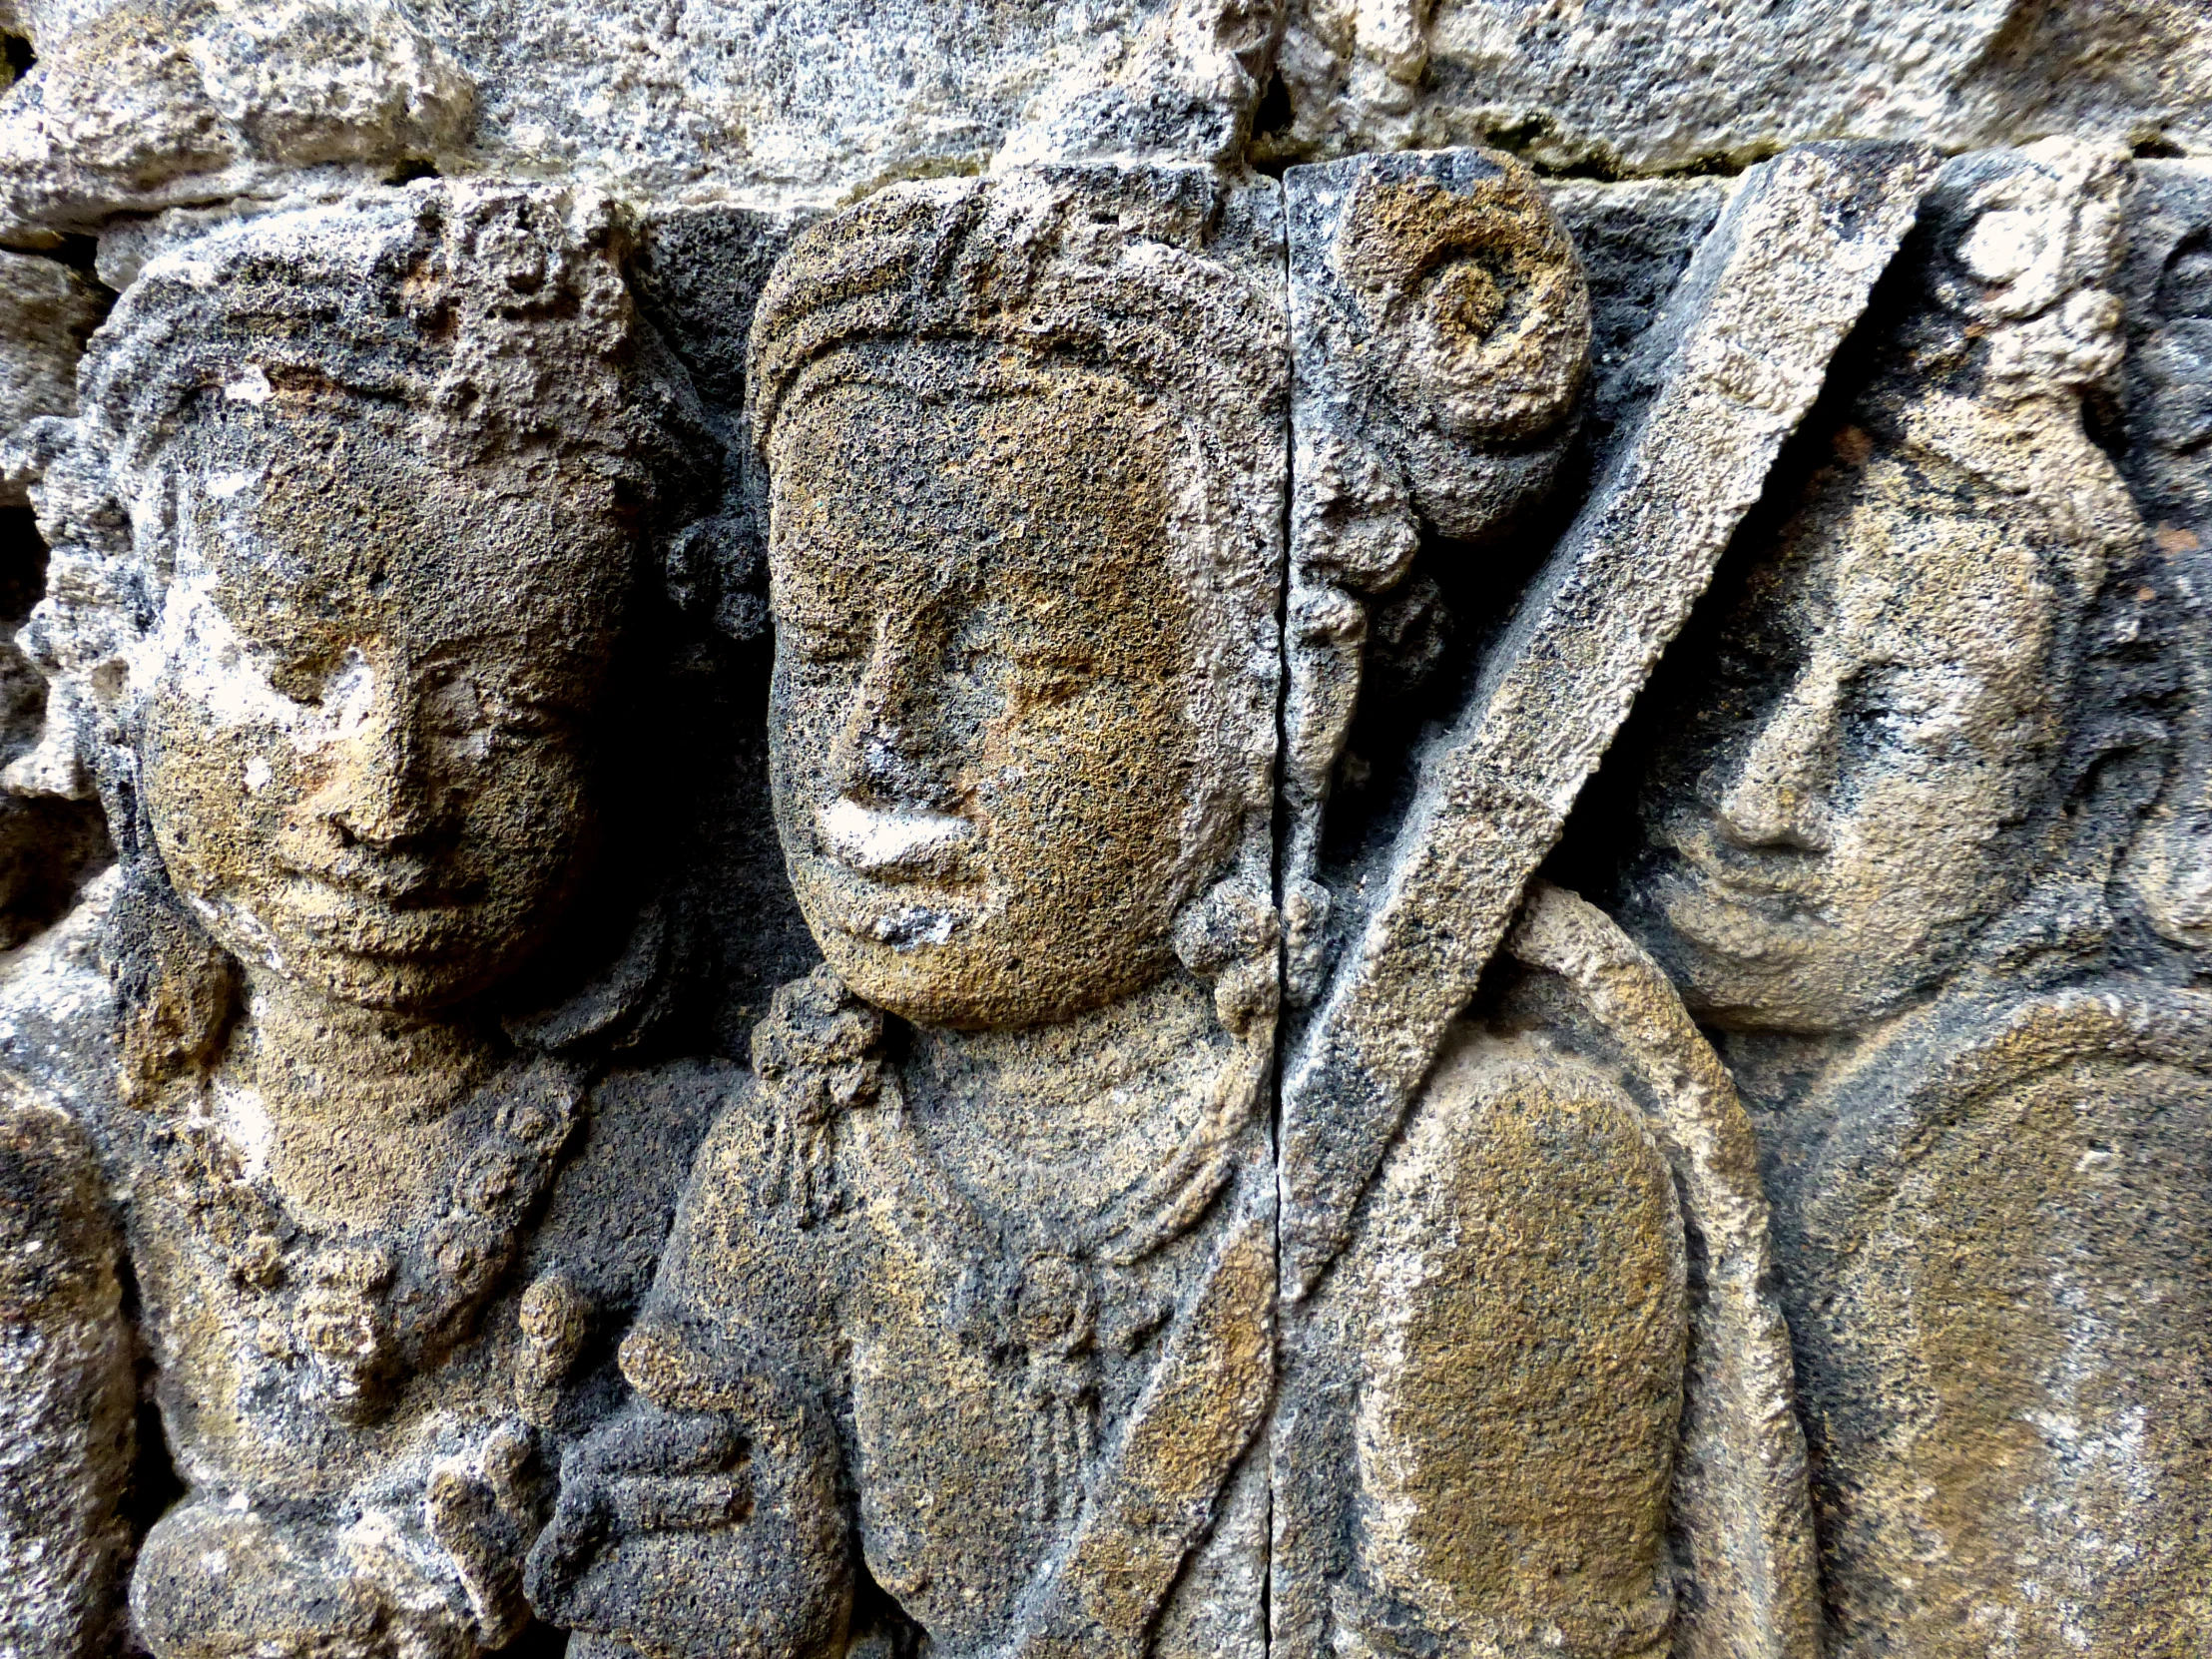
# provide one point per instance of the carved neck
(1104, 1097)
(314, 1057)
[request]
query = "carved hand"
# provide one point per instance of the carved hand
(694, 1535)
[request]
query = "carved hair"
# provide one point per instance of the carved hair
(1135, 273)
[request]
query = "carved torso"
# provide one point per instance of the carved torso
(991, 1303)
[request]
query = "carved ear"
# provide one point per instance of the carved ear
(1231, 937)
(716, 568)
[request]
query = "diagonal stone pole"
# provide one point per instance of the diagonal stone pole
(1744, 348)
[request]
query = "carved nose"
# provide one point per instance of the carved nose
(889, 764)
(376, 796)
(888, 751)
(1776, 795)
(379, 803)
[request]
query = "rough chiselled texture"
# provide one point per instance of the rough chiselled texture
(148, 104)
(1884, 858)
(1024, 554)
(65, 1390)
(1737, 360)
(1141, 830)
(1572, 1381)
(1443, 326)
(1646, 86)
(334, 613)
(2168, 295)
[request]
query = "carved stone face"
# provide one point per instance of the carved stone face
(1832, 829)
(980, 733)
(366, 744)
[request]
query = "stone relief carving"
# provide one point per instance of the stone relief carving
(843, 832)
(1637, 85)
(344, 540)
(67, 1410)
(1021, 771)
(1413, 1505)
(2168, 369)
(1443, 329)
(1542, 1402)
(1882, 858)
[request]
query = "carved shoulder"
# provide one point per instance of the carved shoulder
(742, 1262)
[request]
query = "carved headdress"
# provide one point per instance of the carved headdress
(2018, 252)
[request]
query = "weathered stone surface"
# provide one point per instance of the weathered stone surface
(1012, 1289)
(136, 105)
(1736, 364)
(2008, 1238)
(787, 802)
(153, 103)
(2167, 290)
(67, 1390)
(1646, 86)
(46, 311)
(1544, 1399)
(1882, 857)
(355, 770)
(50, 834)
(1443, 326)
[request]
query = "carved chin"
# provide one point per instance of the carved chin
(956, 958)
(1735, 957)
(1738, 966)
(958, 981)
(399, 961)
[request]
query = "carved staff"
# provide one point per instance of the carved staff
(1744, 348)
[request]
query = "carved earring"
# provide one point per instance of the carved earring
(1229, 936)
